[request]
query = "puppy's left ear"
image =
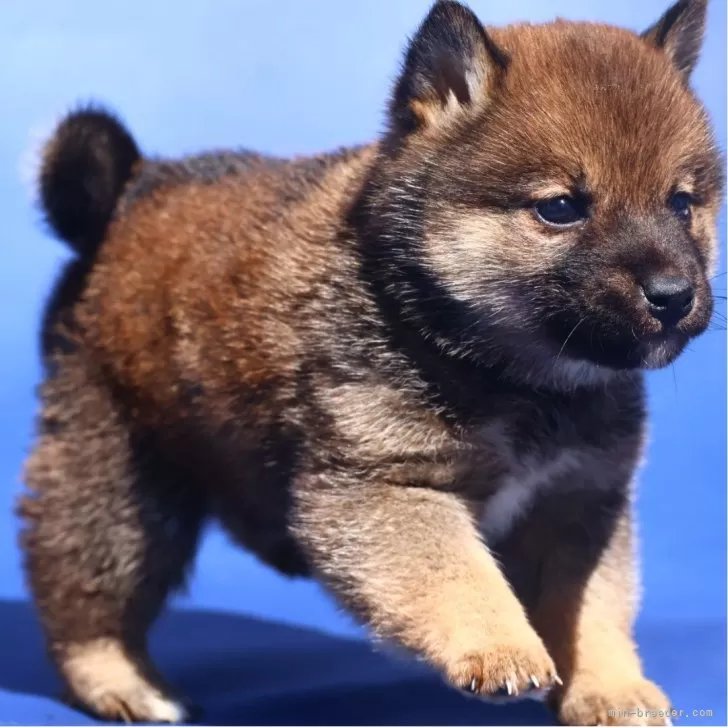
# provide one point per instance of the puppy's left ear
(679, 33)
(450, 64)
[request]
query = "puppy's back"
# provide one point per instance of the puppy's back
(198, 276)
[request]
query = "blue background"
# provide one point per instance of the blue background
(294, 77)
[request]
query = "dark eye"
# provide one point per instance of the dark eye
(560, 211)
(681, 205)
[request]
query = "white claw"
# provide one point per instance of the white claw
(509, 687)
(473, 684)
(535, 682)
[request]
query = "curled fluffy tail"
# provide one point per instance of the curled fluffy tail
(84, 169)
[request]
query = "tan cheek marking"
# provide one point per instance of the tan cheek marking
(465, 249)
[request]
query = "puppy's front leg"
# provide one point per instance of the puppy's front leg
(408, 561)
(586, 607)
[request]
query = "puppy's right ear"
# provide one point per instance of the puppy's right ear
(450, 65)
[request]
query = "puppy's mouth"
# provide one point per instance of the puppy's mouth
(658, 344)
(639, 325)
(621, 345)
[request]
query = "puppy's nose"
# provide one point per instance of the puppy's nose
(669, 297)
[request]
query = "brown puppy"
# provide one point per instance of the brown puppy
(411, 370)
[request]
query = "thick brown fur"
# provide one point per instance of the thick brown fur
(381, 367)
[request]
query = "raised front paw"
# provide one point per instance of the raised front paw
(639, 702)
(510, 667)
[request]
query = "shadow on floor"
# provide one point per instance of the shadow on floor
(243, 670)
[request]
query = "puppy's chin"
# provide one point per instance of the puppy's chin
(650, 353)
(656, 352)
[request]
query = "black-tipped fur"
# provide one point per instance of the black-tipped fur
(85, 166)
(451, 53)
(679, 32)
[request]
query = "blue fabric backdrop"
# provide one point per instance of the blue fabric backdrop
(287, 76)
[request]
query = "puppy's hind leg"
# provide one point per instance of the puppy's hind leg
(109, 532)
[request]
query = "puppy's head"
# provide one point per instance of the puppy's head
(548, 194)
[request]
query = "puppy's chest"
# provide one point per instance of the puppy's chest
(515, 491)
(501, 456)
(515, 465)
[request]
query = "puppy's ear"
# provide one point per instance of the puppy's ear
(679, 33)
(450, 64)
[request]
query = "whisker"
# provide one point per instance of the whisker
(563, 345)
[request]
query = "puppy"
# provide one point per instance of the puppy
(411, 370)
